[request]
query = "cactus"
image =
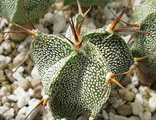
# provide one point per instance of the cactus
(102, 3)
(76, 70)
(13, 10)
(145, 15)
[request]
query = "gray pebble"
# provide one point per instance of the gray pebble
(8, 74)
(124, 110)
(125, 96)
(35, 82)
(25, 84)
(37, 91)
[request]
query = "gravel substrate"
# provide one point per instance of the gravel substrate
(22, 90)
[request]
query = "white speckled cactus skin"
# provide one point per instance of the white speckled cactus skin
(13, 10)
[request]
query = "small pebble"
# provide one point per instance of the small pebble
(20, 48)
(18, 59)
(25, 84)
(22, 110)
(124, 110)
(136, 108)
(18, 76)
(9, 114)
(6, 46)
(135, 81)
(32, 103)
(138, 99)
(49, 17)
(41, 28)
(13, 97)
(59, 23)
(118, 103)
(35, 74)
(35, 82)
(152, 103)
(125, 96)
(8, 59)
(2, 59)
(3, 23)
(37, 91)
(23, 100)
(20, 117)
(105, 115)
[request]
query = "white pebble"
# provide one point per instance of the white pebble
(130, 87)
(7, 36)
(9, 114)
(20, 117)
(32, 103)
(3, 23)
(105, 115)
(91, 25)
(13, 97)
(151, 92)
(139, 99)
(18, 76)
(4, 92)
(23, 100)
(6, 46)
(8, 59)
(49, 17)
(59, 23)
(41, 28)
(3, 109)
(108, 13)
(2, 59)
(22, 111)
(20, 48)
(4, 99)
(1, 50)
(118, 103)
(142, 89)
(152, 103)
(35, 73)
(20, 69)
(19, 91)
(136, 108)
(135, 81)
(147, 115)
(28, 39)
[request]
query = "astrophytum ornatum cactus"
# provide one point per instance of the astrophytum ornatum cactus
(75, 70)
(73, 75)
(145, 43)
(13, 10)
(102, 3)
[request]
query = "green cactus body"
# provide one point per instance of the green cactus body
(73, 79)
(145, 43)
(102, 3)
(13, 10)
